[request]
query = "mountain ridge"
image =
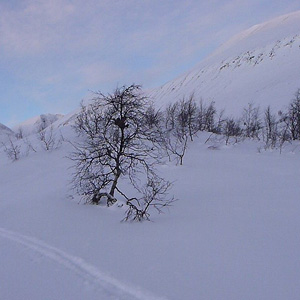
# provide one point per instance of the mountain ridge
(5, 133)
(246, 69)
(259, 65)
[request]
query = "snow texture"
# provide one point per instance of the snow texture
(110, 287)
(32, 125)
(232, 234)
(260, 65)
(5, 133)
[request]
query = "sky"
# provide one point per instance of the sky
(53, 53)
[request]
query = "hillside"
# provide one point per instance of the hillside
(32, 125)
(260, 65)
(5, 133)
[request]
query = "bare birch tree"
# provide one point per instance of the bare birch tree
(119, 141)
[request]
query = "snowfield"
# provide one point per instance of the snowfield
(232, 234)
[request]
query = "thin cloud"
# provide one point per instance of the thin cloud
(35, 27)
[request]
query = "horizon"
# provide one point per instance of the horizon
(53, 54)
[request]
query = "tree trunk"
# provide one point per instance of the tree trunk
(115, 182)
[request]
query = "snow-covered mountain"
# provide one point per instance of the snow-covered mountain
(32, 125)
(5, 133)
(260, 65)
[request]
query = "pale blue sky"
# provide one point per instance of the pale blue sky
(52, 52)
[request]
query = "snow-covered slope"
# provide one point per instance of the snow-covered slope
(31, 126)
(260, 65)
(233, 234)
(5, 133)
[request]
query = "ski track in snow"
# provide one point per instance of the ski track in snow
(109, 285)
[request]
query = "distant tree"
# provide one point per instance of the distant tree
(294, 116)
(12, 149)
(231, 129)
(175, 143)
(47, 137)
(251, 121)
(189, 112)
(120, 140)
(271, 134)
(201, 116)
(153, 118)
(219, 123)
(206, 116)
(20, 133)
(171, 115)
(284, 133)
(209, 117)
(177, 131)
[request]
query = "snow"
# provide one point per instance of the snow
(261, 35)
(5, 133)
(260, 66)
(31, 126)
(232, 234)
(110, 287)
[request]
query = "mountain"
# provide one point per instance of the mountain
(32, 125)
(260, 65)
(5, 133)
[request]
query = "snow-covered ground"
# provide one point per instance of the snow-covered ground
(232, 234)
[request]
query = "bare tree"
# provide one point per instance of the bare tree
(206, 116)
(29, 145)
(177, 132)
(209, 117)
(251, 121)
(47, 137)
(118, 140)
(271, 134)
(12, 149)
(294, 116)
(218, 127)
(20, 133)
(155, 193)
(201, 116)
(231, 129)
(189, 111)
(175, 143)
(183, 119)
(170, 116)
(153, 118)
(284, 133)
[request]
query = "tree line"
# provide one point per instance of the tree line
(123, 138)
(123, 135)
